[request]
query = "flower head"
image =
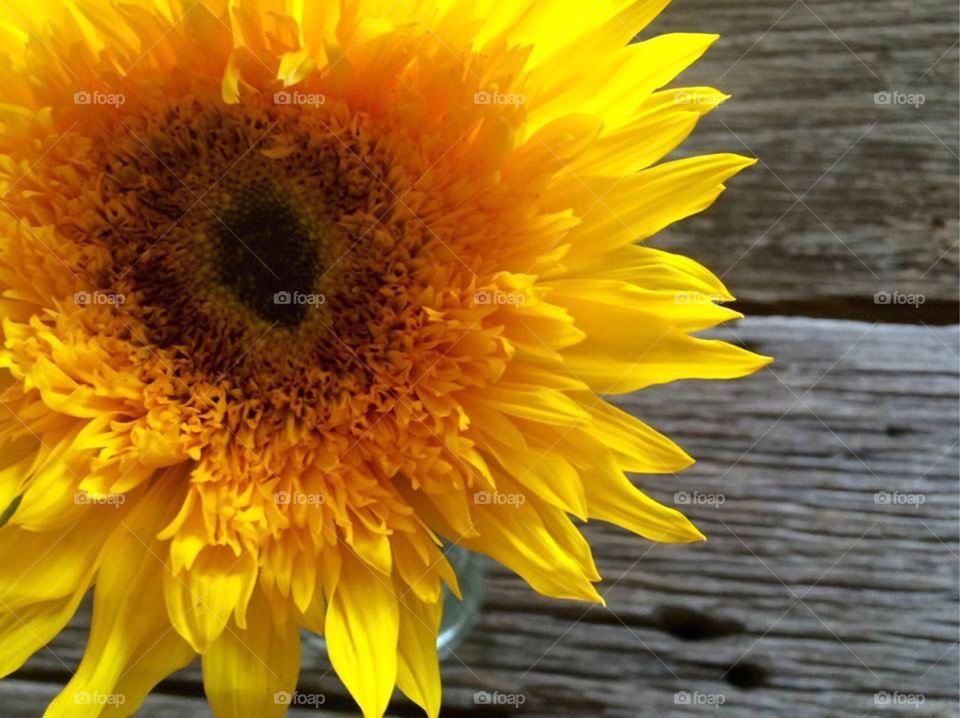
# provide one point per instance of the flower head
(294, 291)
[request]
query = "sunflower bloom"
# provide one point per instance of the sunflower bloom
(293, 292)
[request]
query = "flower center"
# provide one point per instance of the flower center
(258, 247)
(268, 256)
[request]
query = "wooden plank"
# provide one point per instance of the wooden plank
(878, 183)
(810, 597)
(26, 698)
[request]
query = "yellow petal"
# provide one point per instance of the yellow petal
(544, 472)
(362, 630)
(131, 645)
(200, 600)
(551, 148)
(536, 541)
(653, 269)
(547, 405)
(423, 567)
(543, 24)
(629, 76)
(664, 121)
(613, 433)
(169, 653)
(657, 355)
(43, 577)
(611, 497)
(418, 668)
(637, 446)
(42, 566)
(31, 627)
(250, 673)
(373, 547)
(50, 499)
(623, 304)
(638, 206)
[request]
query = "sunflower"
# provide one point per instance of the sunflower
(295, 292)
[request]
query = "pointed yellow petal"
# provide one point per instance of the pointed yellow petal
(251, 673)
(29, 628)
(629, 76)
(623, 304)
(655, 270)
(42, 566)
(659, 356)
(611, 497)
(613, 433)
(423, 571)
(547, 405)
(536, 541)
(201, 600)
(638, 206)
(664, 121)
(169, 653)
(637, 446)
(418, 668)
(131, 646)
(362, 630)
(545, 473)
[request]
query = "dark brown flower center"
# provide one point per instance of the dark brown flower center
(261, 249)
(268, 257)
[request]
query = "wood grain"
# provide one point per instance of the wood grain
(809, 597)
(851, 197)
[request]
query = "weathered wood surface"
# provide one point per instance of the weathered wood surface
(809, 598)
(851, 197)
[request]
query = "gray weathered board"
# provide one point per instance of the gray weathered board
(852, 197)
(811, 596)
